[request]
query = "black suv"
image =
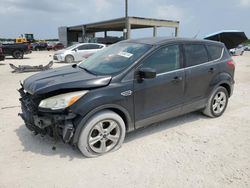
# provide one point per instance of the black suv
(128, 85)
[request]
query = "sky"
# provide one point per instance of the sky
(197, 17)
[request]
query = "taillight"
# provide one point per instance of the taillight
(231, 64)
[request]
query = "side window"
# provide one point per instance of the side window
(92, 46)
(214, 51)
(195, 54)
(82, 47)
(164, 60)
(89, 47)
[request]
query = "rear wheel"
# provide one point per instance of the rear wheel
(69, 59)
(18, 54)
(103, 133)
(217, 102)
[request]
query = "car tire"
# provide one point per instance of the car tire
(217, 103)
(69, 59)
(18, 54)
(104, 132)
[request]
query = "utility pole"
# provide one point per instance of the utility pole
(126, 8)
(127, 26)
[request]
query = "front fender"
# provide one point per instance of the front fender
(109, 97)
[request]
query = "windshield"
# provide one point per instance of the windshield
(115, 58)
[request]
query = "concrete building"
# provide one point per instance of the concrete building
(86, 32)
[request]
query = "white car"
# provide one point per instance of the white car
(237, 51)
(247, 48)
(77, 52)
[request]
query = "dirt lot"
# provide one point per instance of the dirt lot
(188, 151)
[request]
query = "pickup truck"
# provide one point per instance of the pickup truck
(15, 50)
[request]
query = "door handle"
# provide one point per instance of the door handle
(211, 70)
(177, 79)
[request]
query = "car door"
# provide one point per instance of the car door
(80, 52)
(86, 50)
(161, 97)
(199, 73)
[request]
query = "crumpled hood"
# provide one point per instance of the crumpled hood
(62, 78)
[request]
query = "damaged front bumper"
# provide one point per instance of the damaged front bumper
(57, 125)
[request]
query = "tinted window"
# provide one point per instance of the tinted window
(195, 54)
(93, 46)
(82, 47)
(164, 60)
(214, 51)
(89, 47)
(226, 54)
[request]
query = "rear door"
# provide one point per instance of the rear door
(161, 97)
(199, 72)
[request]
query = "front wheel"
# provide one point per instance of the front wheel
(103, 133)
(69, 59)
(217, 102)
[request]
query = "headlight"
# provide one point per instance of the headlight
(61, 101)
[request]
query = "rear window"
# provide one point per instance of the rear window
(214, 51)
(226, 54)
(195, 54)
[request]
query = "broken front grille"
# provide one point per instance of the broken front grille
(28, 102)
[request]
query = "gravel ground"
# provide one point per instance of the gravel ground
(188, 151)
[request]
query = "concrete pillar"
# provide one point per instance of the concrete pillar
(83, 33)
(176, 31)
(129, 31)
(128, 28)
(154, 31)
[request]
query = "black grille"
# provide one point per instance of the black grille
(29, 107)
(28, 102)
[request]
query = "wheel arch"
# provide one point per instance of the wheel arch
(227, 87)
(122, 112)
(225, 80)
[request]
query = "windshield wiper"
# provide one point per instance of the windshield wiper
(87, 70)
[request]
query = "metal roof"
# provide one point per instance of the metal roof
(118, 24)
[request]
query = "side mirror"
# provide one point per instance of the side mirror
(147, 73)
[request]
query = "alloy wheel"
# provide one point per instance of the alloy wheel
(219, 102)
(104, 136)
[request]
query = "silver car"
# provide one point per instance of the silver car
(77, 52)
